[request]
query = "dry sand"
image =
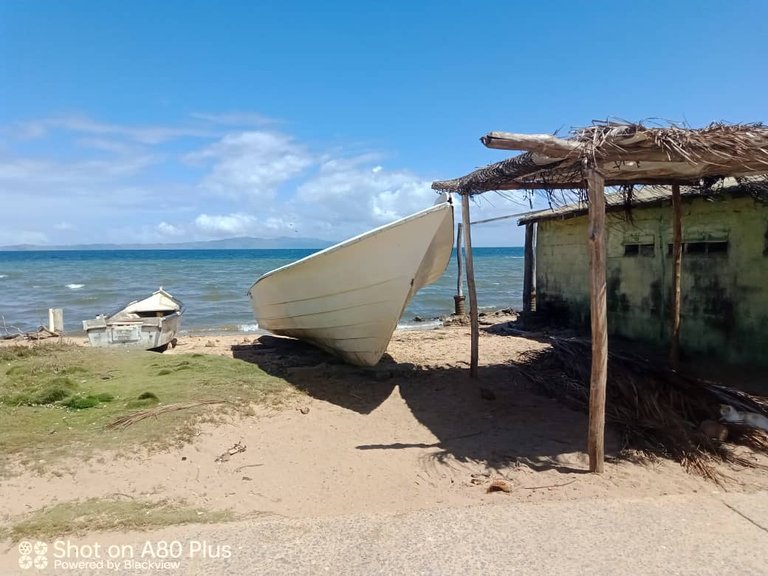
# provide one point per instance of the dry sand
(415, 432)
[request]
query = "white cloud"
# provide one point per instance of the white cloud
(348, 197)
(252, 164)
(67, 177)
(166, 229)
(84, 125)
(11, 238)
(111, 183)
(237, 224)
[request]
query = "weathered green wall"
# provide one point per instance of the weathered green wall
(725, 295)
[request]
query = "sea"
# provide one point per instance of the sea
(212, 284)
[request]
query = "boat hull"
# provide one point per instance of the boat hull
(148, 324)
(144, 334)
(348, 299)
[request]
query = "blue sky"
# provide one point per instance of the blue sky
(187, 120)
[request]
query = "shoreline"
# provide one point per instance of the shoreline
(413, 325)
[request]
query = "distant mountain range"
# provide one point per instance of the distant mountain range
(241, 243)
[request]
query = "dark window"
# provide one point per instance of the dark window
(719, 248)
(634, 250)
(648, 250)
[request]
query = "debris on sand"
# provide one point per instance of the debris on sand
(499, 486)
(130, 419)
(657, 411)
(236, 449)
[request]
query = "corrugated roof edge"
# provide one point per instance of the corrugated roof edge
(645, 197)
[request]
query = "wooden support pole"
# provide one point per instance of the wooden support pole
(677, 260)
(528, 270)
(458, 299)
(473, 317)
(599, 320)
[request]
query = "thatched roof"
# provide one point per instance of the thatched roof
(625, 154)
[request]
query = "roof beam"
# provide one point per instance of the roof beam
(545, 144)
(622, 148)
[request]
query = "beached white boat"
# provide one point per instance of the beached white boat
(148, 324)
(347, 299)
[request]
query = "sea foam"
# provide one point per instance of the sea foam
(75, 286)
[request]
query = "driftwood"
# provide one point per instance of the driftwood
(131, 419)
(42, 333)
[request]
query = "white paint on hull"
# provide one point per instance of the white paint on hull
(348, 298)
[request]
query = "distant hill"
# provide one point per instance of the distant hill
(241, 243)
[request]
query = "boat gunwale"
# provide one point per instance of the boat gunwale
(354, 240)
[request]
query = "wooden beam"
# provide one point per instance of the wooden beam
(599, 320)
(473, 316)
(528, 268)
(637, 147)
(677, 268)
(541, 143)
(511, 184)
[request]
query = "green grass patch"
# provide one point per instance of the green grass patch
(80, 402)
(56, 400)
(96, 514)
(144, 400)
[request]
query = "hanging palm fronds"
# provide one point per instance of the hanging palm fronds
(656, 411)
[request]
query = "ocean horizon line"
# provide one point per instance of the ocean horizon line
(160, 247)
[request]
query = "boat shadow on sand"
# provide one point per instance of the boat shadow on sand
(496, 419)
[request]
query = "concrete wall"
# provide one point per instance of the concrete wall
(725, 293)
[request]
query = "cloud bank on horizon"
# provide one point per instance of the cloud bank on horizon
(76, 180)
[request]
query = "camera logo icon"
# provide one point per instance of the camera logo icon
(33, 555)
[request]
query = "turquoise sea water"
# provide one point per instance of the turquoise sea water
(213, 284)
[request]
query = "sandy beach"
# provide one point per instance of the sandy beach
(415, 432)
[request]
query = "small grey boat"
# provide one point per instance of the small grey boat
(148, 324)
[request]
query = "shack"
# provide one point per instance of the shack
(724, 275)
(625, 156)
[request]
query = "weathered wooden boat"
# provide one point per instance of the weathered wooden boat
(347, 299)
(148, 324)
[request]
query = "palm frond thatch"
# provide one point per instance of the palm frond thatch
(656, 411)
(626, 154)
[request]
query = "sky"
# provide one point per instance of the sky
(183, 120)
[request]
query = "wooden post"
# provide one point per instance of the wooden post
(528, 272)
(677, 259)
(458, 299)
(473, 318)
(599, 320)
(55, 320)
